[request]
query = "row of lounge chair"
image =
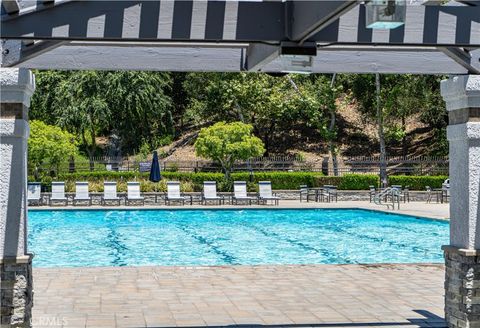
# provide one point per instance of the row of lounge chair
(134, 196)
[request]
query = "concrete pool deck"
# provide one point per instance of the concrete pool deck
(292, 296)
(420, 209)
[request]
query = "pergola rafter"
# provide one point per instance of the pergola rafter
(251, 30)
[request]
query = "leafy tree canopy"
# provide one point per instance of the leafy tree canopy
(49, 145)
(134, 105)
(228, 142)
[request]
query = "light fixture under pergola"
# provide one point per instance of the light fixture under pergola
(318, 36)
(385, 14)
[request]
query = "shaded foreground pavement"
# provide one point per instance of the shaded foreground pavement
(293, 296)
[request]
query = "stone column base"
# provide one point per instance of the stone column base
(462, 287)
(17, 291)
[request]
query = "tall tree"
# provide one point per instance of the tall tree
(320, 96)
(381, 136)
(82, 108)
(140, 106)
(266, 102)
(47, 92)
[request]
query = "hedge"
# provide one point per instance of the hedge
(417, 182)
(349, 181)
(191, 181)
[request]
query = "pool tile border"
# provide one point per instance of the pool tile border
(223, 208)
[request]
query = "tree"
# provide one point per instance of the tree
(268, 103)
(381, 136)
(47, 92)
(141, 109)
(319, 95)
(82, 108)
(228, 142)
(49, 145)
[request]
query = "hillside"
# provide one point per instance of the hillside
(357, 137)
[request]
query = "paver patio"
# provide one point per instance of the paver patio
(288, 295)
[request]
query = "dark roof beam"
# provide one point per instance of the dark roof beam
(462, 57)
(11, 6)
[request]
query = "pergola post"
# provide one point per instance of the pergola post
(16, 88)
(462, 256)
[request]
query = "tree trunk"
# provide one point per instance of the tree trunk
(92, 151)
(404, 139)
(331, 129)
(381, 137)
(227, 168)
(333, 153)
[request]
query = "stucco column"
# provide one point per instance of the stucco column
(16, 88)
(462, 256)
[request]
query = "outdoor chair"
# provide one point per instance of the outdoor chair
(81, 193)
(446, 190)
(58, 193)
(174, 194)
(110, 193)
(372, 192)
(133, 194)
(240, 193)
(429, 194)
(34, 196)
(210, 193)
(403, 193)
(331, 193)
(265, 193)
(303, 192)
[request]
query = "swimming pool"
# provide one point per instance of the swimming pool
(231, 237)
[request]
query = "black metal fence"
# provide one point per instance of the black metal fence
(344, 165)
(420, 165)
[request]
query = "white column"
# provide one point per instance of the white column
(462, 256)
(16, 88)
(462, 96)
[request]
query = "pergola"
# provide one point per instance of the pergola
(251, 36)
(236, 36)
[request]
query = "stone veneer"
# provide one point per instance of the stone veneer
(16, 291)
(462, 287)
(343, 195)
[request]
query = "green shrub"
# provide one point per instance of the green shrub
(349, 181)
(191, 181)
(417, 182)
(358, 181)
(281, 180)
(327, 180)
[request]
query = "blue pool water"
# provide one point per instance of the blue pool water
(229, 237)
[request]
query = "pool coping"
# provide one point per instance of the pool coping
(233, 266)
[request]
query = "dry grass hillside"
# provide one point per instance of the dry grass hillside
(357, 136)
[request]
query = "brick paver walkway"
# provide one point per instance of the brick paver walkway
(295, 296)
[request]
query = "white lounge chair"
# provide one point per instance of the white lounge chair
(133, 193)
(81, 193)
(240, 193)
(58, 193)
(34, 196)
(265, 193)
(210, 193)
(174, 194)
(110, 193)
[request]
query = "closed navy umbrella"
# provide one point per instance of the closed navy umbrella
(155, 175)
